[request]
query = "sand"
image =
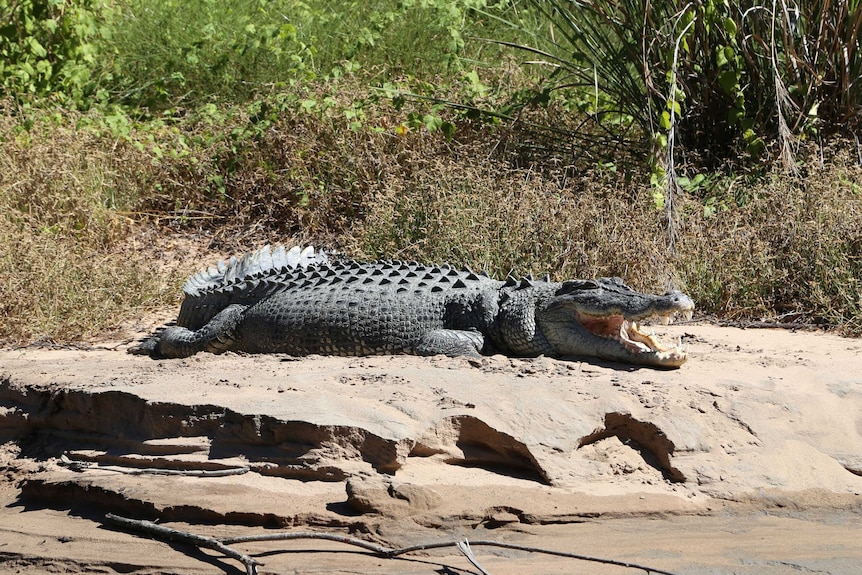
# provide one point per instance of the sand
(748, 459)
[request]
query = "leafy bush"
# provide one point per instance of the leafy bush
(48, 47)
(171, 53)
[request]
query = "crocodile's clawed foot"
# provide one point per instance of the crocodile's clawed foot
(146, 346)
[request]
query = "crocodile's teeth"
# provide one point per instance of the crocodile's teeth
(638, 341)
(672, 354)
(688, 314)
(665, 319)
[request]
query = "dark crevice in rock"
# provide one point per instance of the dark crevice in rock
(501, 516)
(471, 442)
(652, 443)
(309, 472)
(853, 464)
(149, 462)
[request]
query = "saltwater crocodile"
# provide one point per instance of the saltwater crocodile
(300, 302)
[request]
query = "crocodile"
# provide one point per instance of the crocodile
(302, 302)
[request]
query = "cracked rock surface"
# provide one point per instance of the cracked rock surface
(406, 448)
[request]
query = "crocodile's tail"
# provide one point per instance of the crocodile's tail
(211, 290)
(252, 265)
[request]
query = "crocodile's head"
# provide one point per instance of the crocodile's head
(601, 318)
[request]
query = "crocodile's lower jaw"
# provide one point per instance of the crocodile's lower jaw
(674, 357)
(644, 347)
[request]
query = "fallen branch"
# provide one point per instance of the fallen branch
(85, 465)
(191, 538)
(382, 551)
(373, 547)
(516, 547)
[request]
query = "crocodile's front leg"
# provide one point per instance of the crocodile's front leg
(451, 342)
(217, 336)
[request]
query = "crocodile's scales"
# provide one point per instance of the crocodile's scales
(301, 303)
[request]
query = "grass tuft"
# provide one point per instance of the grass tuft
(792, 251)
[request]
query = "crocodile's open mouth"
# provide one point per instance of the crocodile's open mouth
(628, 334)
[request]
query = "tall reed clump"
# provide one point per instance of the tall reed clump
(719, 78)
(721, 83)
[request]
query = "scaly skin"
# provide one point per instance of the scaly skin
(301, 303)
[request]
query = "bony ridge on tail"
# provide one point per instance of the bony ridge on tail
(303, 302)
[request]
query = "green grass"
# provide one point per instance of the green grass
(186, 53)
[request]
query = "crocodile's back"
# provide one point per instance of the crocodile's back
(298, 302)
(350, 308)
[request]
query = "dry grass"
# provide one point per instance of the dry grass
(88, 222)
(467, 208)
(793, 251)
(64, 224)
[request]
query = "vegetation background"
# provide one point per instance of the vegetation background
(711, 146)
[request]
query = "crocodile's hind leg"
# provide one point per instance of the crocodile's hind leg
(451, 342)
(217, 336)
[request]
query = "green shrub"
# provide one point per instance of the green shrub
(48, 47)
